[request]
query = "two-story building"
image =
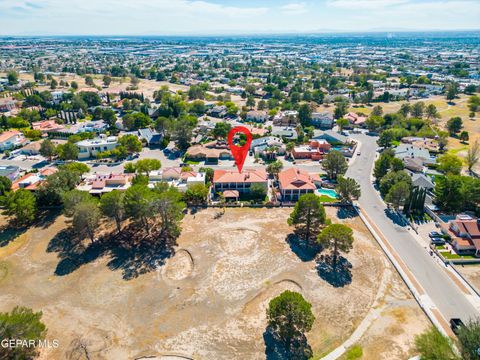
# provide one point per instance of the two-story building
(240, 182)
(294, 182)
(466, 231)
(91, 147)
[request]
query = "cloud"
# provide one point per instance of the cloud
(294, 8)
(365, 4)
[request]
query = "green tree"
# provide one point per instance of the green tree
(377, 111)
(274, 168)
(258, 192)
(196, 194)
(72, 198)
(469, 340)
(449, 164)
(334, 164)
(86, 218)
(47, 149)
(308, 217)
(21, 205)
(472, 158)
(398, 194)
(107, 80)
(417, 109)
(382, 165)
(305, 115)
(22, 324)
(139, 204)
(289, 316)
(348, 189)
(50, 191)
(5, 185)
(464, 136)
(454, 125)
(432, 345)
(112, 206)
(391, 178)
(451, 91)
(340, 109)
(182, 133)
(147, 165)
(131, 143)
(447, 192)
(221, 130)
(338, 238)
(108, 115)
(67, 151)
(135, 121)
(342, 123)
(431, 112)
(12, 77)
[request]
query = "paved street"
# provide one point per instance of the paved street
(444, 293)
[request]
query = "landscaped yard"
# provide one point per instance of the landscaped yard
(208, 300)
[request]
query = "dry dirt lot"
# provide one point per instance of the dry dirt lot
(209, 300)
(471, 273)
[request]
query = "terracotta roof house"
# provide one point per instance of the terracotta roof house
(99, 184)
(210, 152)
(315, 150)
(47, 125)
(295, 182)
(241, 182)
(466, 231)
(11, 139)
(356, 119)
(286, 118)
(31, 181)
(323, 120)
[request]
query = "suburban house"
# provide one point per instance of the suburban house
(323, 120)
(293, 182)
(416, 157)
(11, 139)
(422, 181)
(177, 177)
(286, 118)
(47, 126)
(32, 148)
(287, 133)
(355, 119)
(315, 150)
(31, 181)
(240, 182)
(151, 137)
(257, 116)
(466, 234)
(219, 111)
(209, 152)
(422, 142)
(91, 147)
(97, 184)
(261, 146)
(9, 171)
(7, 104)
(332, 137)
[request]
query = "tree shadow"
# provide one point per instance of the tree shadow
(130, 251)
(396, 217)
(346, 212)
(276, 349)
(9, 232)
(305, 250)
(135, 258)
(337, 276)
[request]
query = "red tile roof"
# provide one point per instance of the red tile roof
(293, 179)
(247, 176)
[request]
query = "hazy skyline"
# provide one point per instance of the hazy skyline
(215, 17)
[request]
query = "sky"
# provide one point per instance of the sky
(226, 17)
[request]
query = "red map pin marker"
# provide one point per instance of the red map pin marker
(239, 152)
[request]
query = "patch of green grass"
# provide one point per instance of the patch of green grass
(3, 270)
(448, 255)
(440, 247)
(192, 162)
(355, 352)
(327, 199)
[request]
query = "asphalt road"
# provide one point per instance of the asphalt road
(443, 292)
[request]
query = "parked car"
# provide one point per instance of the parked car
(435, 234)
(456, 324)
(438, 241)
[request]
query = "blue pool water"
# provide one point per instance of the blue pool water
(328, 192)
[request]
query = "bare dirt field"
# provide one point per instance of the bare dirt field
(208, 301)
(471, 273)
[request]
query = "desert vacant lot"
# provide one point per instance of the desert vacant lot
(208, 300)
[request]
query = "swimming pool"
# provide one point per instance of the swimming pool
(328, 192)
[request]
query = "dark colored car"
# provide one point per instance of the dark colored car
(438, 241)
(455, 325)
(435, 234)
